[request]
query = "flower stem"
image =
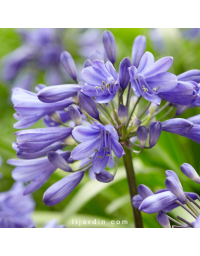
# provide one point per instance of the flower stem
(132, 186)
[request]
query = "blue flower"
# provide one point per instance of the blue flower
(30, 109)
(34, 171)
(151, 77)
(97, 139)
(34, 140)
(15, 208)
(102, 81)
(183, 127)
(61, 189)
(41, 50)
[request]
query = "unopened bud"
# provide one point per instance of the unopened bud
(122, 114)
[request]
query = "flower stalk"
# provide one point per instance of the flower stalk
(127, 158)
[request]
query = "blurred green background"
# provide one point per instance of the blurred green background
(93, 200)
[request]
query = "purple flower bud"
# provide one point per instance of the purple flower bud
(157, 202)
(87, 103)
(163, 219)
(144, 191)
(87, 63)
(109, 45)
(155, 130)
(58, 92)
(142, 135)
(124, 73)
(177, 126)
(61, 189)
(104, 176)
(174, 187)
(96, 55)
(190, 172)
(139, 46)
(180, 109)
(58, 161)
(172, 174)
(69, 65)
(122, 114)
(136, 201)
(75, 115)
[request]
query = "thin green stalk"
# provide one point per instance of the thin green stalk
(106, 110)
(132, 186)
(133, 110)
(115, 114)
(160, 110)
(144, 110)
(166, 114)
(128, 96)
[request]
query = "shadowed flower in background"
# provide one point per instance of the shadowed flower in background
(15, 208)
(40, 51)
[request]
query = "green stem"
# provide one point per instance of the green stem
(144, 110)
(133, 110)
(132, 186)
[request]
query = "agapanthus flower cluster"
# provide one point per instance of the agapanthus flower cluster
(165, 200)
(101, 115)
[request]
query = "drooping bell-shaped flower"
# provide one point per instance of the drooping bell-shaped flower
(62, 188)
(102, 81)
(177, 126)
(30, 109)
(25, 155)
(37, 171)
(34, 140)
(57, 93)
